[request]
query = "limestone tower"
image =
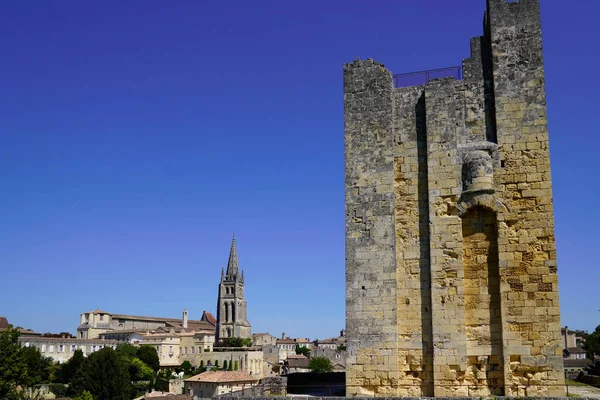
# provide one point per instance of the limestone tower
(451, 274)
(231, 306)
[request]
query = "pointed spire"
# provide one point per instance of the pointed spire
(232, 264)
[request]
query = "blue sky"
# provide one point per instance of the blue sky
(136, 136)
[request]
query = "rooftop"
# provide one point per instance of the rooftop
(222, 377)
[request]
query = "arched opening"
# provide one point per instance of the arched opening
(485, 370)
(233, 317)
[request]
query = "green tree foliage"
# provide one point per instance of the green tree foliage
(85, 395)
(341, 347)
(40, 369)
(13, 366)
(225, 365)
(139, 371)
(149, 356)
(235, 365)
(162, 381)
(104, 374)
(127, 351)
(187, 367)
(305, 351)
(592, 343)
(320, 364)
(58, 389)
(68, 369)
(235, 342)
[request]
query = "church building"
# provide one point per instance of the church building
(231, 306)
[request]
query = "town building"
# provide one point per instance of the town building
(297, 363)
(232, 318)
(451, 272)
(62, 349)
(263, 339)
(210, 384)
(59, 349)
(337, 357)
(93, 323)
(287, 346)
(250, 360)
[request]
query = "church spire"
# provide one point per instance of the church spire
(232, 264)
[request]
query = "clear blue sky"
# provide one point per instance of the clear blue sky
(136, 136)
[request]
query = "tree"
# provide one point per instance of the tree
(40, 369)
(341, 347)
(68, 369)
(305, 351)
(149, 356)
(13, 367)
(85, 395)
(235, 342)
(127, 351)
(138, 371)
(225, 365)
(235, 365)
(187, 367)
(162, 381)
(592, 343)
(104, 374)
(320, 364)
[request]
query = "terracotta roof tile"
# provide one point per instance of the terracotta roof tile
(222, 377)
(3, 323)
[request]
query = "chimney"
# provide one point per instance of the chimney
(185, 319)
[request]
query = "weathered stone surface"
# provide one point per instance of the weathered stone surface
(451, 280)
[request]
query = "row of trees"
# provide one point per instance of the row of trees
(104, 375)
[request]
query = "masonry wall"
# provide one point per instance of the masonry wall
(450, 256)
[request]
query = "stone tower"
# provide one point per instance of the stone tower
(231, 307)
(451, 276)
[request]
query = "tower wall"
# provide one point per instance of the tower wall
(451, 280)
(370, 259)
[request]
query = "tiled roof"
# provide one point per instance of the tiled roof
(298, 362)
(124, 332)
(577, 363)
(576, 350)
(261, 334)
(28, 332)
(164, 396)
(222, 377)
(3, 323)
(208, 317)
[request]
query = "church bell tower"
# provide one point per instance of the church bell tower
(231, 307)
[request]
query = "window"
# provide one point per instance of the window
(101, 317)
(192, 350)
(61, 348)
(26, 344)
(73, 347)
(43, 348)
(51, 348)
